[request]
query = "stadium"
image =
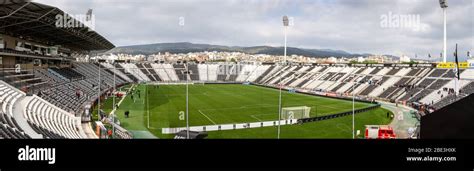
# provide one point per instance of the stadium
(50, 88)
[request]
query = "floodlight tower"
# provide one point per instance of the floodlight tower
(98, 100)
(353, 109)
(285, 25)
(444, 6)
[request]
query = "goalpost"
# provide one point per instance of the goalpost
(298, 112)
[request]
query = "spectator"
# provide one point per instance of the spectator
(78, 94)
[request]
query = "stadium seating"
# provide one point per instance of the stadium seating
(226, 72)
(275, 75)
(116, 71)
(135, 71)
(9, 128)
(247, 70)
(438, 72)
(297, 74)
(383, 71)
(468, 74)
(51, 121)
(466, 88)
(393, 71)
(367, 71)
(193, 72)
(161, 72)
(264, 74)
(180, 70)
(52, 112)
(300, 76)
(129, 75)
(212, 72)
(48, 77)
(257, 73)
(24, 79)
(67, 73)
(403, 72)
(203, 72)
(441, 90)
(413, 72)
(375, 71)
(285, 75)
(145, 71)
(384, 85)
(170, 71)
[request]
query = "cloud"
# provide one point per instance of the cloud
(348, 25)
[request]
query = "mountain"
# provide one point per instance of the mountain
(185, 47)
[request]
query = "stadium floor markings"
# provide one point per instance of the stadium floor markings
(207, 117)
(255, 118)
(120, 102)
(242, 107)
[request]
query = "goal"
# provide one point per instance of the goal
(298, 112)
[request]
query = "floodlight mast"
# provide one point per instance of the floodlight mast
(114, 93)
(285, 24)
(98, 100)
(353, 109)
(444, 5)
(187, 100)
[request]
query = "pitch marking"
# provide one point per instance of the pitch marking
(253, 116)
(207, 117)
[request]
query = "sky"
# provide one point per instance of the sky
(355, 26)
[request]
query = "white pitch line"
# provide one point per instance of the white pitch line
(120, 102)
(207, 117)
(255, 118)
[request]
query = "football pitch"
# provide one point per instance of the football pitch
(216, 104)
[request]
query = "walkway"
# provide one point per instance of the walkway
(19, 115)
(403, 119)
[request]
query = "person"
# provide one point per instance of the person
(78, 94)
(138, 94)
(127, 114)
(388, 114)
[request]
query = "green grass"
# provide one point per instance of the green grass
(333, 128)
(224, 104)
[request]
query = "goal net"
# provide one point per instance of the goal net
(298, 112)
